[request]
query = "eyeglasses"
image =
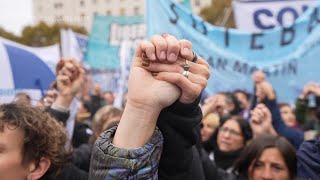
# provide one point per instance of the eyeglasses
(231, 131)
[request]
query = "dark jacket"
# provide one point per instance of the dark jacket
(69, 170)
(81, 156)
(308, 157)
(177, 123)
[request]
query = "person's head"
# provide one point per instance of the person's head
(233, 134)
(105, 118)
(23, 98)
(31, 143)
(83, 111)
(268, 157)
(243, 98)
(233, 104)
(209, 125)
(287, 115)
(220, 102)
(108, 97)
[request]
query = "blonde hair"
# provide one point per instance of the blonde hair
(213, 119)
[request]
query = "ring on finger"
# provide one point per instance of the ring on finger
(185, 73)
(186, 66)
(195, 57)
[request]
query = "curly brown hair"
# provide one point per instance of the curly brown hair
(43, 135)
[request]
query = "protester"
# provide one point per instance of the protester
(31, 143)
(228, 142)
(148, 94)
(23, 98)
(308, 113)
(266, 95)
(105, 118)
(267, 157)
(209, 124)
(108, 97)
(288, 116)
(244, 100)
(216, 104)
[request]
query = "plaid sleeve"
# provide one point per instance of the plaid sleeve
(110, 162)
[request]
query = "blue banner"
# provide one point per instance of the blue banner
(288, 55)
(107, 34)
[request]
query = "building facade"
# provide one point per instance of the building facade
(82, 12)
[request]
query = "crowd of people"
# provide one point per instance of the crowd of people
(166, 128)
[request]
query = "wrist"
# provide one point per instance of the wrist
(136, 126)
(63, 101)
(272, 131)
(271, 95)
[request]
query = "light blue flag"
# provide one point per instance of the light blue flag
(107, 33)
(288, 55)
(187, 4)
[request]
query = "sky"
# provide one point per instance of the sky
(15, 14)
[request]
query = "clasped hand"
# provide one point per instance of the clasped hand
(157, 77)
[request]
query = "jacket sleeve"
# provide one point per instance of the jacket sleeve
(177, 123)
(301, 110)
(295, 137)
(110, 162)
(308, 160)
(58, 115)
(318, 106)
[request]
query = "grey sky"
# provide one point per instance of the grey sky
(15, 14)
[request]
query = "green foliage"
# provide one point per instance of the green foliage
(220, 13)
(41, 34)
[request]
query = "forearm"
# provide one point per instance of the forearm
(294, 136)
(63, 101)
(110, 162)
(136, 126)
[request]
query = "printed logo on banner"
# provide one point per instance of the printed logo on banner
(255, 16)
(108, 32)
(287, 55)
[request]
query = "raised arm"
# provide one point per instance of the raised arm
(132, 150)
(266, 95)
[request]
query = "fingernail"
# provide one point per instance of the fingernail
(145, 63)
(163, 55)
(144, 56)
(186, 51)
(172, 56)
(154, 73)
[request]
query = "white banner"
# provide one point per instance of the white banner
(255, 16)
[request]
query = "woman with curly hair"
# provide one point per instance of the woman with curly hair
(31, 144)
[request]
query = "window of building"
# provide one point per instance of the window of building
(82, 17)
(136, 11)
(122, 12)
(58, 18)
(58, 5)
(82, 3)
(109, 13)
